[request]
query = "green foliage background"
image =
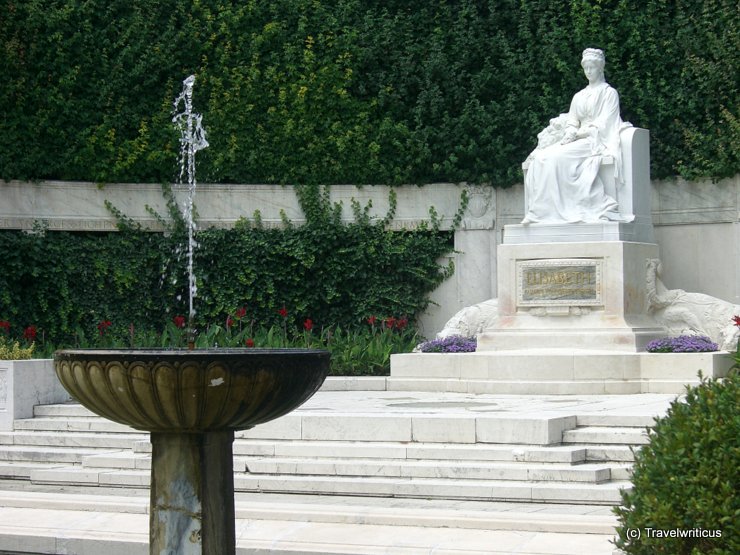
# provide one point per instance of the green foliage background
(334, 273)
(354, 91)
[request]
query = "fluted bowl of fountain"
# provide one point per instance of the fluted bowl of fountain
(191, 390)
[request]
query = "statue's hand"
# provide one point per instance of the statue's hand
(569, 137)
(589, 131)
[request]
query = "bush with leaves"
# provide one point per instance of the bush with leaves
(12, 350)
(686, 478)
(77, 288)
(354, 91)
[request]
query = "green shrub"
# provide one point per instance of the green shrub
(12, 350)
(336, 274)
(687, 477)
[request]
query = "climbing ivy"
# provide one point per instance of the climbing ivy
(331, 272)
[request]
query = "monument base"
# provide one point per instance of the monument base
(554, 372)
(586, 295)
(638, 231)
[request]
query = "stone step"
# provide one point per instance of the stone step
(573, 453)
(42, 453)
(598, 434)
(71, 439)
(452, 470)
(530, 365)
(361, 468)
(428, 488)
(120, 460)
(116, 524)
(402, 450)
(21, 470)
(520, 387)
(81, 424)
(621, 471)
(554, 371)
(350, 510)
(613, 452)
(616, 420)
(67, 410)
(81, 476)
(434, 488)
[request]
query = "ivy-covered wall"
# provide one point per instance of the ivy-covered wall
(65, 284)
(354, 91)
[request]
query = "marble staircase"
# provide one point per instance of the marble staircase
(418, 447)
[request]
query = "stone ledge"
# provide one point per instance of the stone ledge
(554, 371)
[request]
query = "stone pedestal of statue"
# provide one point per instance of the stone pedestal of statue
(590, 295)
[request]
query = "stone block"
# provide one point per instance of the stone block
(685, 366)
(357, 428)
(285, 427)
(528, 430)
(24, 384)
(441, 429)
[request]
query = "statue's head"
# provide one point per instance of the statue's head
(593, 55)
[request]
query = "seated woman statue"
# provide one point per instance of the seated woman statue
(562, 183)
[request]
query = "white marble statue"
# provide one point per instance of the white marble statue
(685, 313)
(472, 320)
(562, 183)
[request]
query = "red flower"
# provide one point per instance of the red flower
(249, 342)
(179, 321)
(736, 319)
(104, 325)
(390, 322)
(229, 321)
(283, 312)
(30, 333)
(241, 312)
(5, 326)
(401, 323)
(308, 324)
(372, 320)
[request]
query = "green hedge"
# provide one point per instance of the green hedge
(334, 273)
(685, 498)
(358, 91)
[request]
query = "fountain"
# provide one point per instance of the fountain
(191, 401)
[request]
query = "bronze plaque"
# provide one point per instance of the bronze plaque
(575, 282)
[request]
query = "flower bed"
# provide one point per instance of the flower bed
(682, 344)
(451, 344)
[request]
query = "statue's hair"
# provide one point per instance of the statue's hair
(593, 54)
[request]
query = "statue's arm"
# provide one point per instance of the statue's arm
(572, 124)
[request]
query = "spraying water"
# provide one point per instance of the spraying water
(192, 139)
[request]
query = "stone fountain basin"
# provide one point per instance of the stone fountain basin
(191, 391)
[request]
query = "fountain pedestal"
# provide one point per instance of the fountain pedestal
(192, 402)
(192, 493)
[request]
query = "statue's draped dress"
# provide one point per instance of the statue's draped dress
(562, 183)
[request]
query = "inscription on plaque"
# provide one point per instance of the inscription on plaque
(573, 282)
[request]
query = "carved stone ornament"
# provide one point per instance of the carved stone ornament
(480, 204)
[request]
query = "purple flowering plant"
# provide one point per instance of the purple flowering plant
(450, 344)
(682, 344)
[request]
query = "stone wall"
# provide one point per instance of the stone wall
(696, 224)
